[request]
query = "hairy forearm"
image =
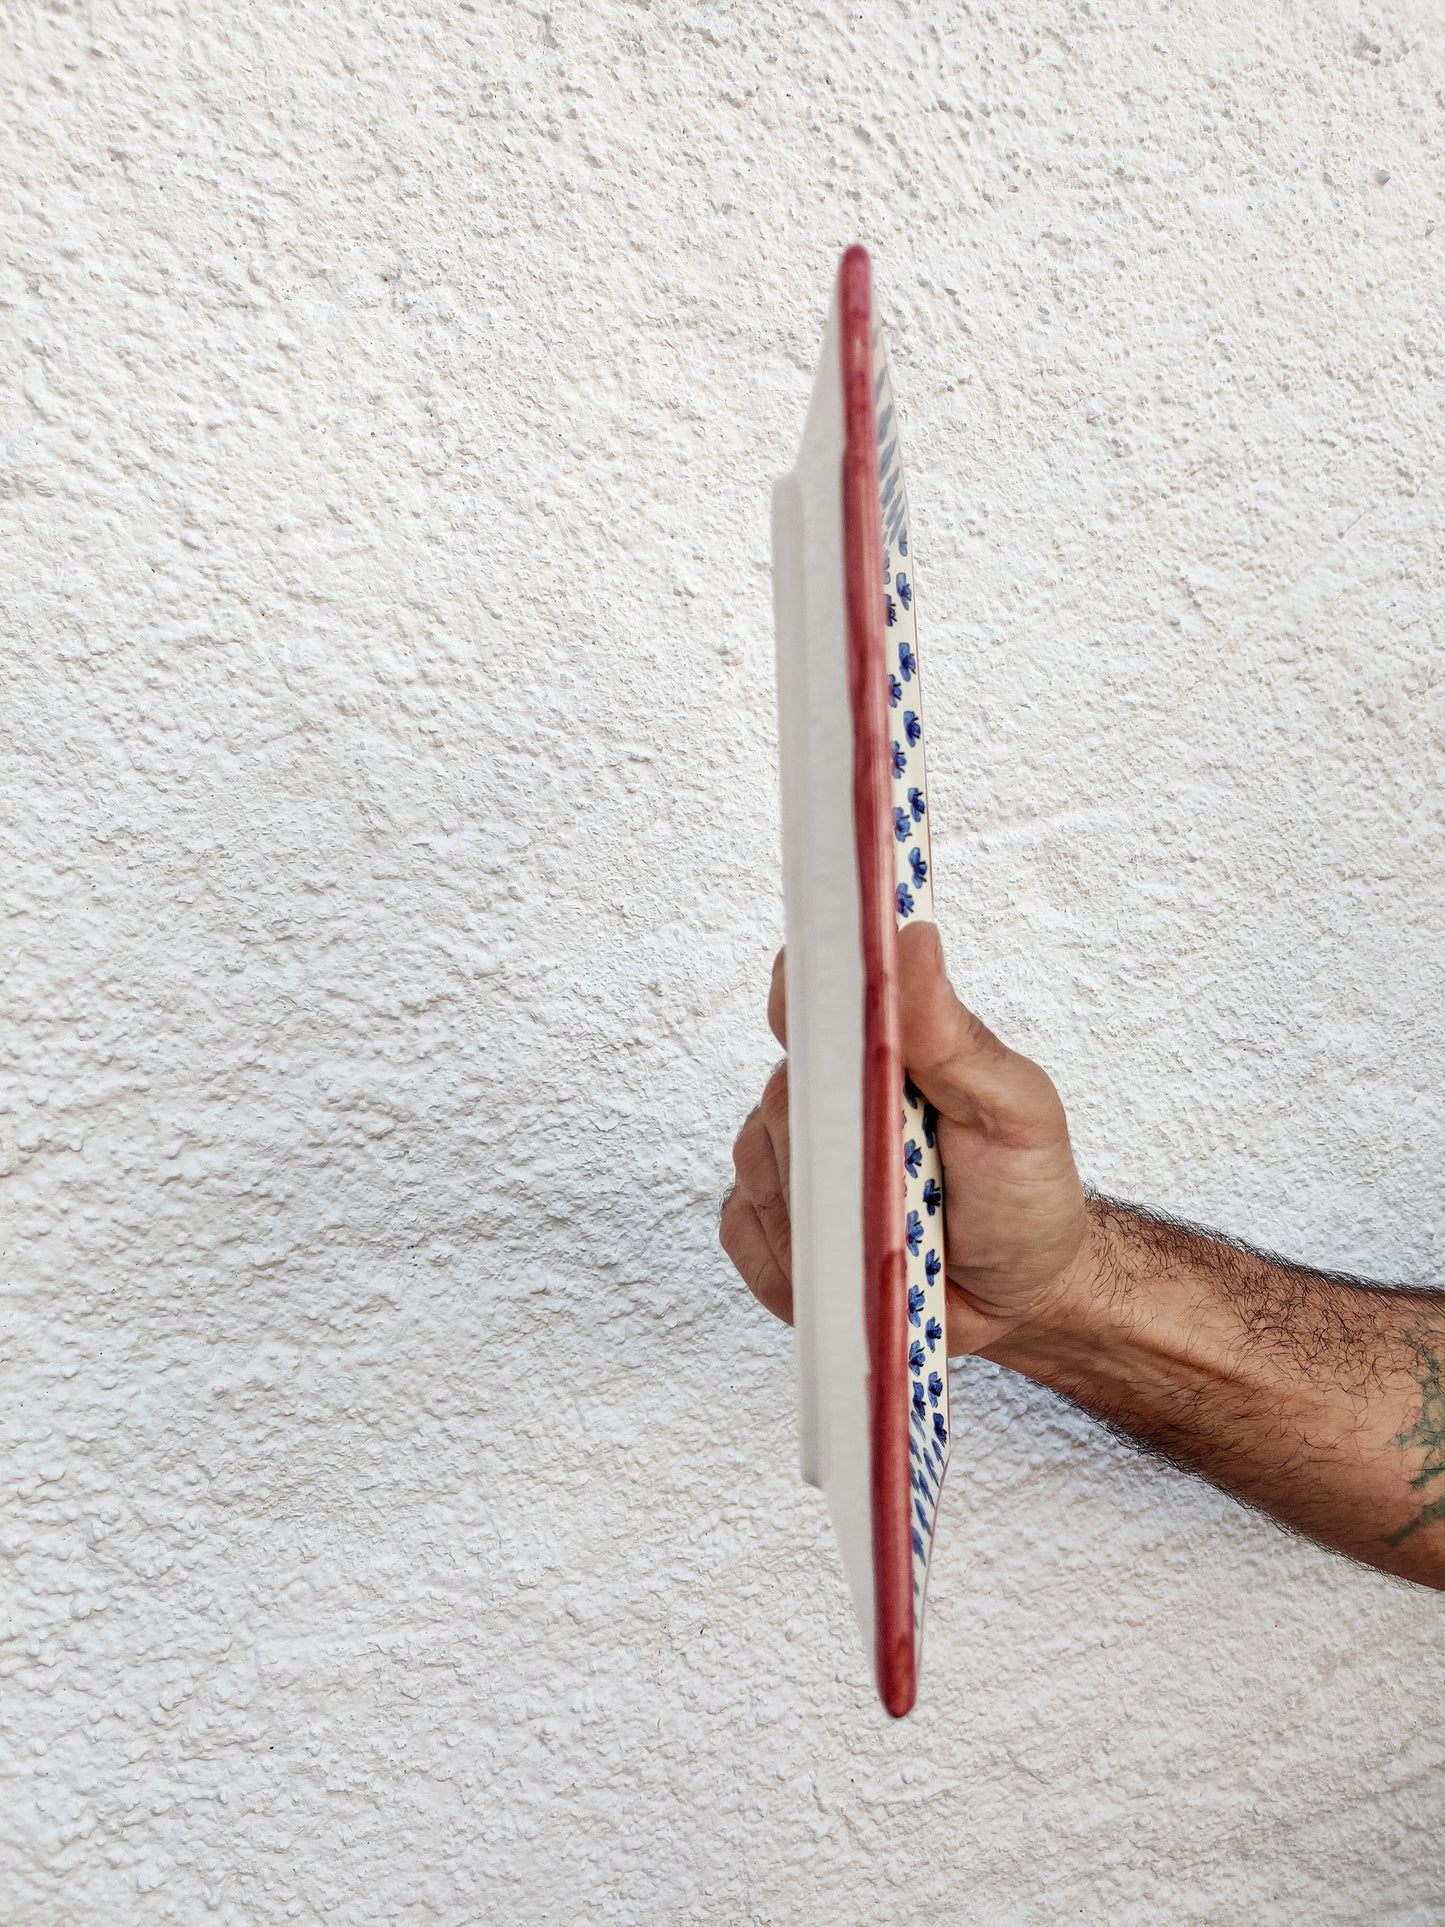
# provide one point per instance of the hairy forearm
(1315, 1399)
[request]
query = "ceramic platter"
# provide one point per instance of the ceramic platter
(867, 1182)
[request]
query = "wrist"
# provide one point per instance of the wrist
(1087, 1310)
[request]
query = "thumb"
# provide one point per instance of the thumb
(955, 1059)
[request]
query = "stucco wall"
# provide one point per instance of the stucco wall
(403, 1522)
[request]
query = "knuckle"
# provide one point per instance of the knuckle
(979, 1041)
(774, 1105)
(745, 1144)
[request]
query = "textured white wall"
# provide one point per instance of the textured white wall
(403, 1522)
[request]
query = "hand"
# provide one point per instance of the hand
(1015, 1227)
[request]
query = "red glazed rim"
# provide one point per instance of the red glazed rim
(884, 1263)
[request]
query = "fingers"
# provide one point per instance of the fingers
(756, 1228)
(956, 1060)
(778, 1002)
(773, 1109)
(761, 1159)
(746, 1243)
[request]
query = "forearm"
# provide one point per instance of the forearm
(1316, 1400)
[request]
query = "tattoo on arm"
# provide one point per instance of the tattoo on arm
(1427, 1434)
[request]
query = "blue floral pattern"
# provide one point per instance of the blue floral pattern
(927, 1346)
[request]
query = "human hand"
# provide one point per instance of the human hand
(1015, 1227)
